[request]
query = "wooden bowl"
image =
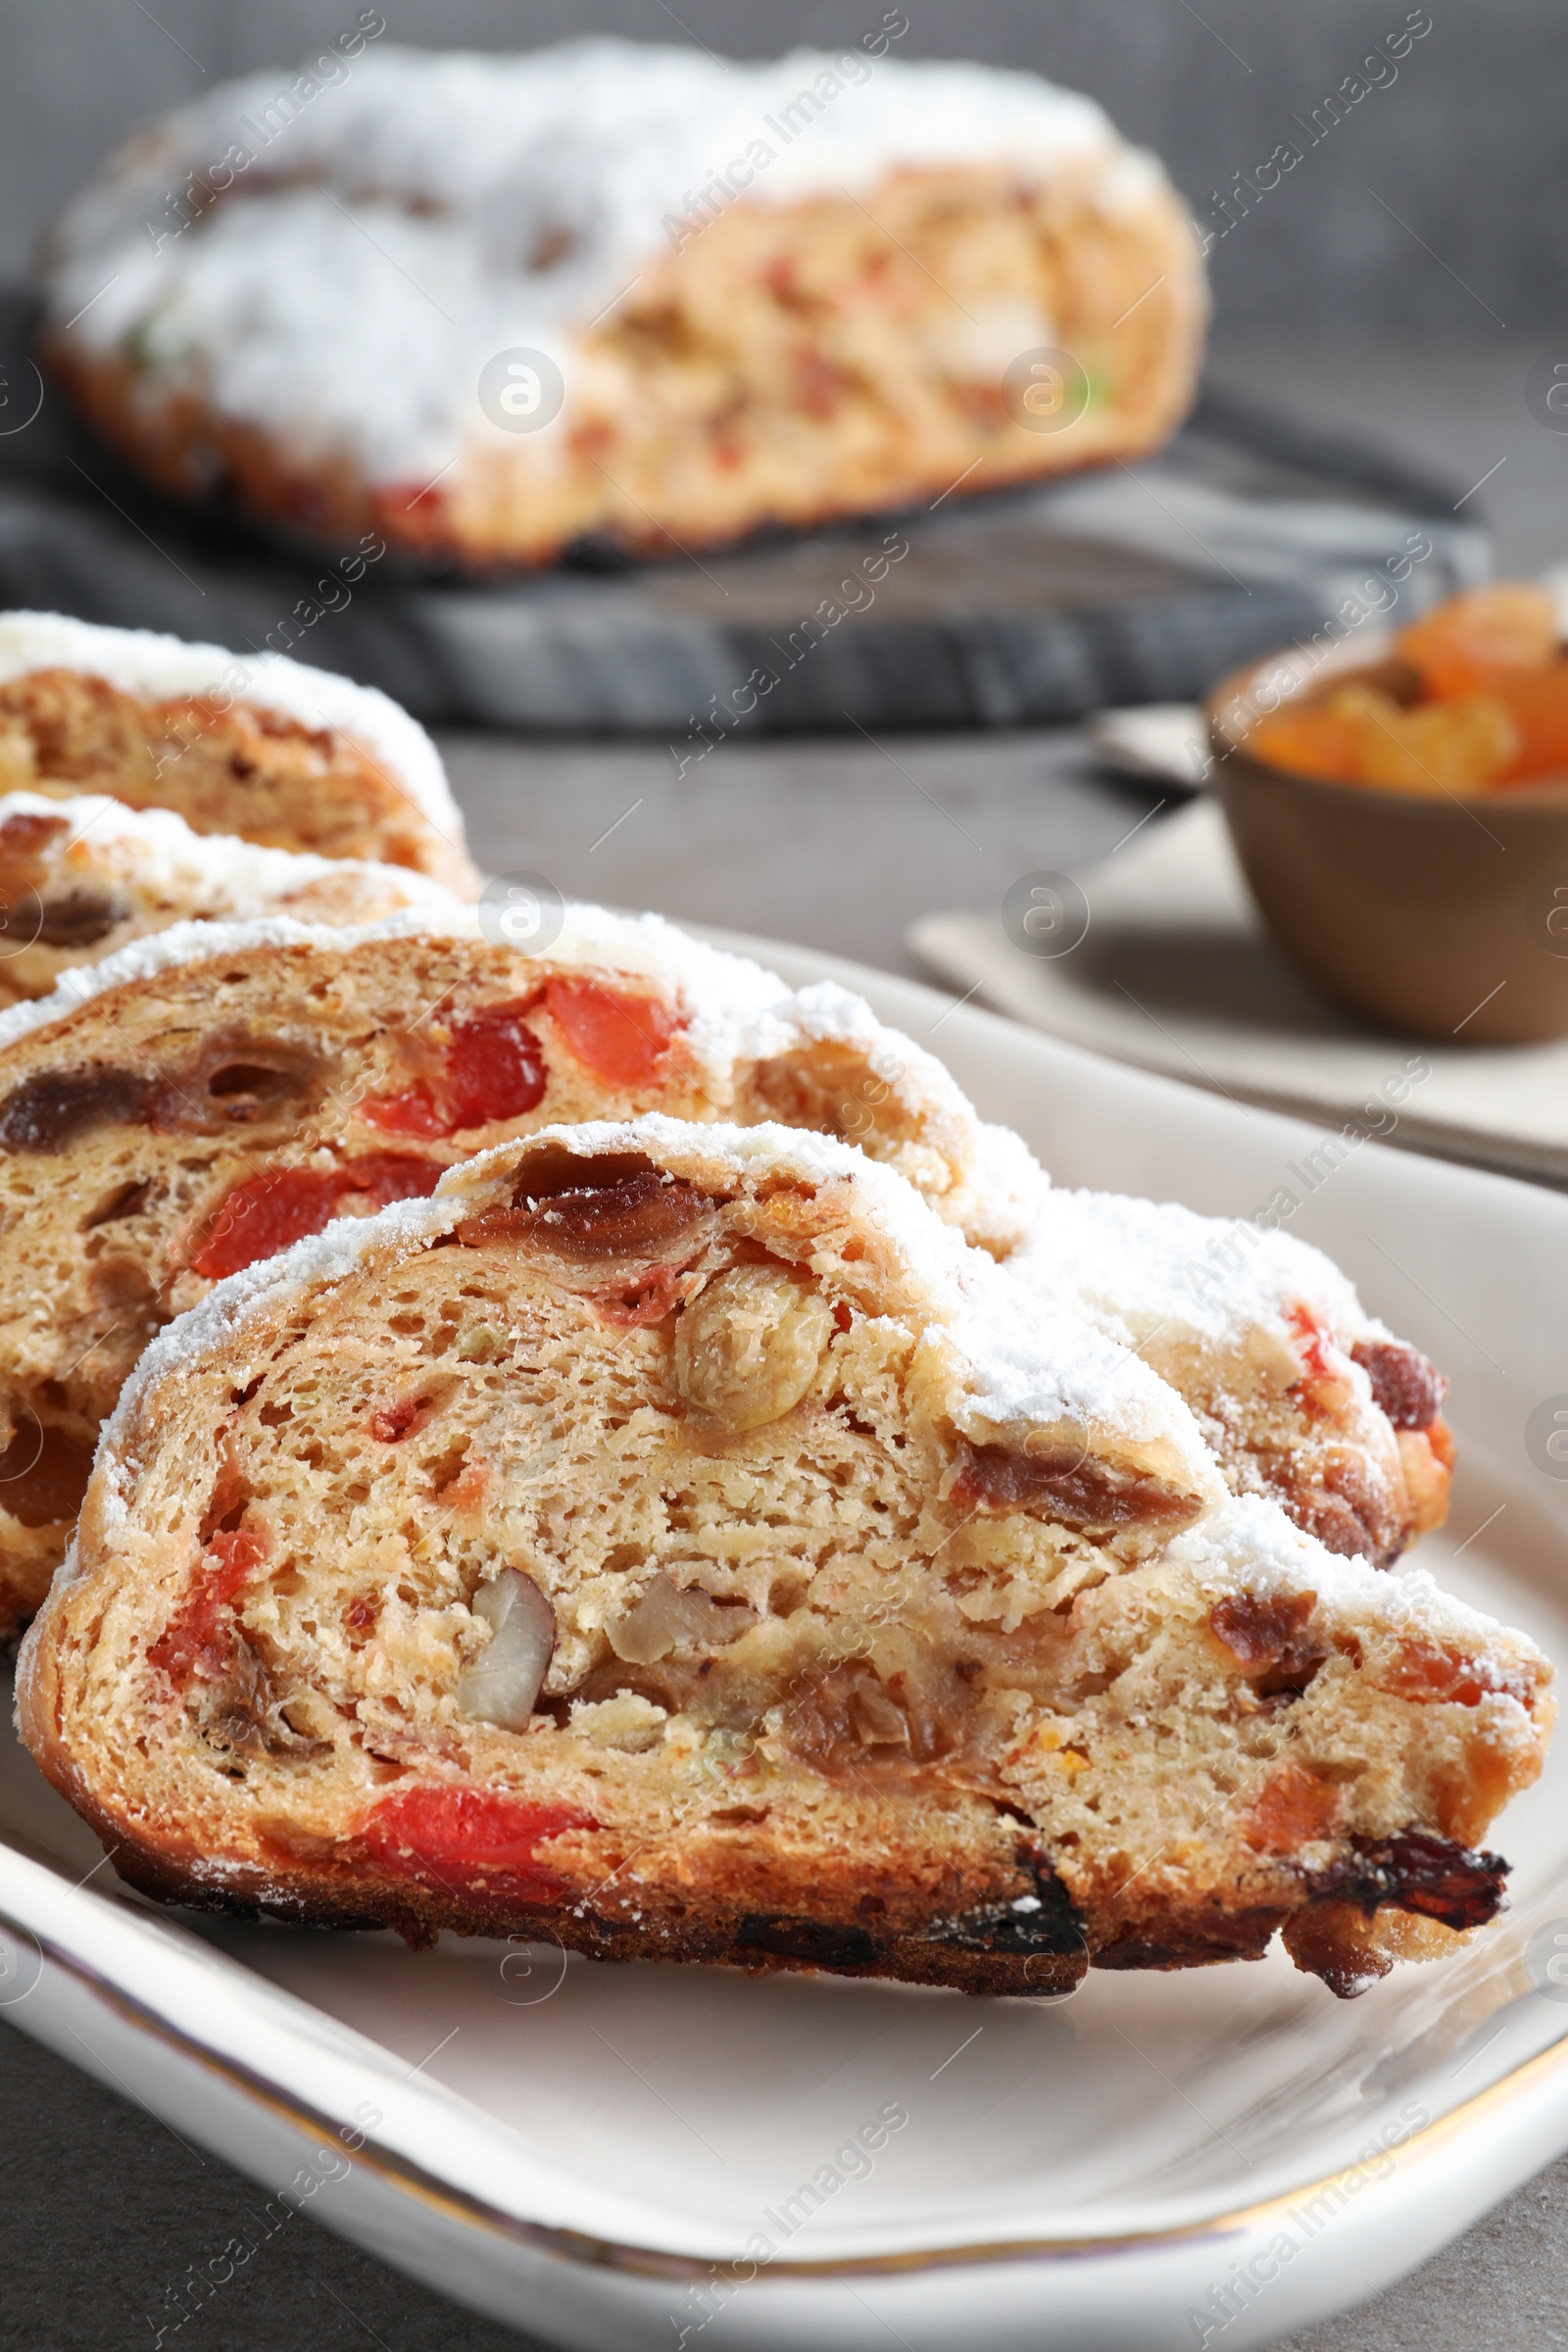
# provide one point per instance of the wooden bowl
(1437, 913)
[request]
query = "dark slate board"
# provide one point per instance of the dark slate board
(1010, 609)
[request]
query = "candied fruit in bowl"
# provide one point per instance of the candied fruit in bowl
(1476, 697)
(1456, 650)
(1536, 701)
(1361, 736)
(1313, 739)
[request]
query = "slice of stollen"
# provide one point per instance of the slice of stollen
(675, 1541)
(253, 745)
(218, 1091)
(80, 878)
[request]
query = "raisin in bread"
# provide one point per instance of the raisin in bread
(1301, 1394)
(217, 1090)
(675, 1540)
(82, 878)
(645, 354)
(254, 746)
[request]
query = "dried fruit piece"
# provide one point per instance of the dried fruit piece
(1444, 747)
(1311, 741)
(55, 1109)
(749, 1349)
(1261, 1633)
(393, 1421)
(1406, 1384)
(197, 1637)
(621, 1038)
(78, 919)
(492, 1068)
(1359, 736)
(25, 834)
(282, 1206)
(1078, 1488)
(495, 1069)
(629, 1217)
(611, 1208)
(1427, 1672)
(470, 1839)
(1293, 1809)
(1418, 1872)
(1510, 624)
(1536, 701)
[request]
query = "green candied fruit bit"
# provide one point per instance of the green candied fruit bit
(481, 1343)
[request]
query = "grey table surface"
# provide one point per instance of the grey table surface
(836, 844)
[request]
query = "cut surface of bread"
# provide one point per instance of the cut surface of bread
(1301, 1394)
(676, 1540)
(82, 878)
(257, 747)
(729, 295)
(217, 1090)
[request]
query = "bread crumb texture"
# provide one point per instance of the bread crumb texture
(215, 1092)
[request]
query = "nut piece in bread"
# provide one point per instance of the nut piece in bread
(675, 1540)
(218, 1091)
(82, 878)
(261, 748)
(909, 280)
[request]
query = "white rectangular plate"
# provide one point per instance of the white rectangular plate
(629, 2157)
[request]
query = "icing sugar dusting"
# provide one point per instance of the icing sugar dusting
(1137, 1267)
(431, 210)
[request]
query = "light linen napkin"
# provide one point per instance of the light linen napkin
(1177, 973)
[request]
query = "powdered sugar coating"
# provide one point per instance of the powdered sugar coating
(1136, 1267)
(142, 662)
(154, 850)
(1247, 1545)
(390, 239)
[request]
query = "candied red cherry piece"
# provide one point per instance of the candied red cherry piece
(271, 1211)
(621, 1038)
(1509, 625)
